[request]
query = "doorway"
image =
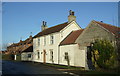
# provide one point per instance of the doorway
(44, 56)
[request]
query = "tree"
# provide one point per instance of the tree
(4, 46)
(103, 54)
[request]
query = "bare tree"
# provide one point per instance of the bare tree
(4, 46)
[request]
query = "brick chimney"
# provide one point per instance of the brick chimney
(44, 26)
(71, 16)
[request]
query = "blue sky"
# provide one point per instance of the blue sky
(21, 18)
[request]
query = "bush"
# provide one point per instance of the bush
(105, 56)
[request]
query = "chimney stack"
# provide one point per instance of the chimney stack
(71, 16)
(44, 26)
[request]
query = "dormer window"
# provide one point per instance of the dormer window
(51, 39)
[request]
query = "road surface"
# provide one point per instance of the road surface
(15, 67)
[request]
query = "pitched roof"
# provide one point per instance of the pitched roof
(71, 38)
(114, 29)
(53, 29)
(29, 49)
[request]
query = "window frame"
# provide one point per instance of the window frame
(51, 39)
(44, 40)
(29, 55)
(51, 54)
(38, 41)
(66, 56)
(38, 55)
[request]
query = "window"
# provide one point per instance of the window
(66, 55)
(38, 55)
(38, 42)
(44, 40)
(51, 39)
(29, 55)
(51, 54)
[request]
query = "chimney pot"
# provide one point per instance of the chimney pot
(43, 23)
(72, 13)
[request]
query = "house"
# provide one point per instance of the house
(26, 55)
(48, 44)
(17, 48)
(70, 52)
(98, 30)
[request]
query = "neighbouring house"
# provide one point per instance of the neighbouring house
(98, 30)
(17, 48)
(26, 55)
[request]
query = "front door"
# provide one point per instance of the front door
(44, 56)
(89, 58)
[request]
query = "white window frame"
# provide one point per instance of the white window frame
(44, 40)
(51, 54)
(51, 39)
(66, 56)
(29, 55)
(38, 41)
(38, 54)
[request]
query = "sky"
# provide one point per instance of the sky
(21, 18)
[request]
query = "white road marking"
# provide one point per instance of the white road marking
(71, 73)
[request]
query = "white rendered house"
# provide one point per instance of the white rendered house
(48, 47)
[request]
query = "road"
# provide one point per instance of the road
(14, 67)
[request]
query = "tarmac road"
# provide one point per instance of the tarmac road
(15, 67)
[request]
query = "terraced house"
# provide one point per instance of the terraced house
(18, 48)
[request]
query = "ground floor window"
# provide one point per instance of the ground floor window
(38, 53)
(66, 55)
(51, 54)
(29, 55)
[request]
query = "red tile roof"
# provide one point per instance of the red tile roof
(53, 29)
(114, 29)
(71, 38)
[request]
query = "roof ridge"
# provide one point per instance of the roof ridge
(77, 30)
(107, 24)
(55, 26)
(52, 29)
(27, 47)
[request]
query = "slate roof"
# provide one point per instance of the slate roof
(29, 49)
(53, 29)
(71, 38)
(114, 29)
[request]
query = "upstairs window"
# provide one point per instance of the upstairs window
(51, 39)
(44, 40)
(38, 42)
